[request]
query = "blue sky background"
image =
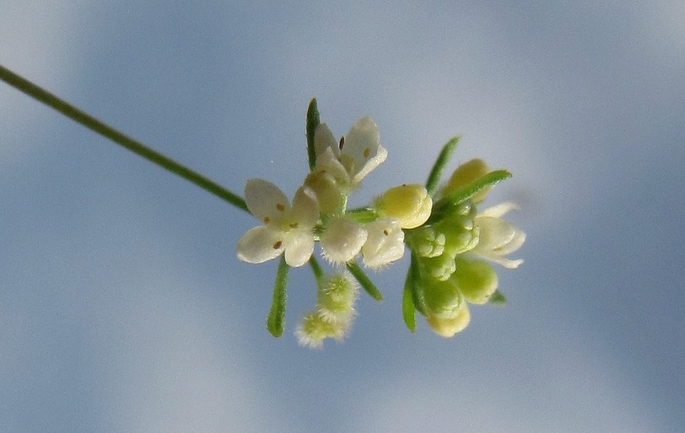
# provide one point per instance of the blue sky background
(122, 304)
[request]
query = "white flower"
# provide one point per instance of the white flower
(384, 244)
(497, 237)
(358, 153)
(286, 228)
(342, 240)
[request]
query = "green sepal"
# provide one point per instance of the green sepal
(362, 215)
(313, 121)
(439, 166)
(448, 204)
(364, 281)
(408, 309)
(497, 298)
(415, 285)
(276, 320)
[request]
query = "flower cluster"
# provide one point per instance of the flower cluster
(444, 231)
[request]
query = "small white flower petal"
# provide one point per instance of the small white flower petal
(497, 237)
(324, 139)
(305, 209)
(494, 233)
(362, 141)
(371, 163)
(329, 163)
(384, 244)
(500, 260)
(265, 200)
(342, 240)
(514, 244)
(362, 144)
(298, 249)
(260, 244)
(499, 210)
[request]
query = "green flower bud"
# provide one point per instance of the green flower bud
(461, 234)
(426, 242)
(336, 297)
(441, 268)
(467, 173)
(410, 204)
(476, 280)
(314, 329)
(442, 298)
(448, 327)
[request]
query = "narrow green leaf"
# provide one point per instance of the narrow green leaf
(446, 205)
(498, 298)
(276, 320)
(364, 281)
(414, 284)
(313, 121)
(439, 166)
(408, 309)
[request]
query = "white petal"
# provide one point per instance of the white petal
(385, 243)
(265, 200)
(500, 260)
(515, 243)
(362, 144)
(494, 233)
(329, 163)
(375, 161)
(305, 208)
(324, 139)
(342, 240)
(259, 244)
(499, 210)
(298, 249)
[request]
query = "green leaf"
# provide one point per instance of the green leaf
(447, 205)
(364, 281)
(414, 284)
(439, 166)
(313, 121)
(497, 298)
(408, 309)
(276, 320)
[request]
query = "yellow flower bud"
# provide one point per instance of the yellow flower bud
(410, 204)
(448, 327)
(327, 191)
(466, 173)
(476, 280)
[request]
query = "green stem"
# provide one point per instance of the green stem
(107, 131)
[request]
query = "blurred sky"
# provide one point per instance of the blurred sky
(123, 307)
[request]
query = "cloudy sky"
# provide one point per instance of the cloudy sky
(124, 308)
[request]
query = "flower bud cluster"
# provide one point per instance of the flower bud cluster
(334, 311)
(449, 252)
